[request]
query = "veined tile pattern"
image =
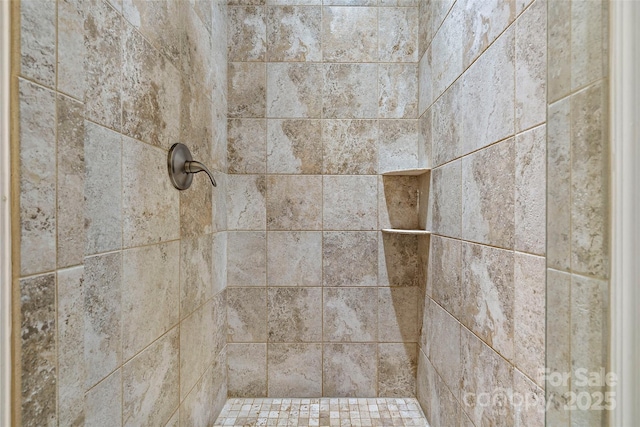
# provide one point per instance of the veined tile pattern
(324, 412)
(105, 87)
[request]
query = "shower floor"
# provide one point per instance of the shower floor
(322, 412)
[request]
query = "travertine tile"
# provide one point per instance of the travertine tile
(398, 145)
(349, 370)
(444, 348)
(38, 33)
(294, 258)
(350, 258)
(247, 370)
(349, 34)
(487, 95)
(246, 202)
(197, 344)
(347, 2)
(247, 89)
(293, 202)
(196, 276)
(294, 146)
(397, 365)
(38, 361)
(294, 314)
(219, 220)
(37, 176)
(529, 315)
(445, 274)
(103, 65)
(160, 22)
(425, 384)
(246, 2)
(350, 91)
(350, 202)
(488, 192)
(151, 93)
(247, 315)
(558, 344)
(398, 260)
(530, 409)
(590, 182)
(425, 142)
(150, 294)
(398, 314)
(559, 49)
(103, 403)
(484, 371)
(531, 66)
(425, 26)
(204, 402)
(293, 33)
(425, 82)
(196, 209)
(350, 147)
(294, 370)
(294, 90)
(70, 327)
(589, 340)
(398, 202)
(445, 409)
(198, 57)
(102, 192)
(71, 48)
(150, 204)
(447, 48)
(530, 197)
(448, 129)
(150, 383)
(485, 21)
(350, 315)
(488, 295)
(219, 258)
(558, 221)
(446, 183)
(70, 182)
(247, 263)
(589, 40)
(247, 33)
(246, 149)
(102, 316)
(398, 33)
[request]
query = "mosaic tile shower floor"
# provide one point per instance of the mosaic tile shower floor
(322, 412)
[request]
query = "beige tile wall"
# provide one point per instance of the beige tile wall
(120, 278)
(482, 103)
(323, 96)
(578, 263)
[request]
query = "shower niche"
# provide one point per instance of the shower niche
(405, 235)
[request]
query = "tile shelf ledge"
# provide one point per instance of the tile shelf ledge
(405, 231)
(407, 172)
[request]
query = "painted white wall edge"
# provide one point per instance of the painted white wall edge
(625, 209)
(5, 220)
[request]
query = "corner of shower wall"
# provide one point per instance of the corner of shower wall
(120, 288)
(578, 222)
(482, 106)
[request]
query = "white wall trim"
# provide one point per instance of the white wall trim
(625, 163)
(5, 219)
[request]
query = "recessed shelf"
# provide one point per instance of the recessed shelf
(403, 231)
(407, 172)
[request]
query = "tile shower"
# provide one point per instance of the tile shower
(142, 305)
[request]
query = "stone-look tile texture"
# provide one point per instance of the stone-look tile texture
(323, 97)
(121, 277)
(498, 169)
(578, 222)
